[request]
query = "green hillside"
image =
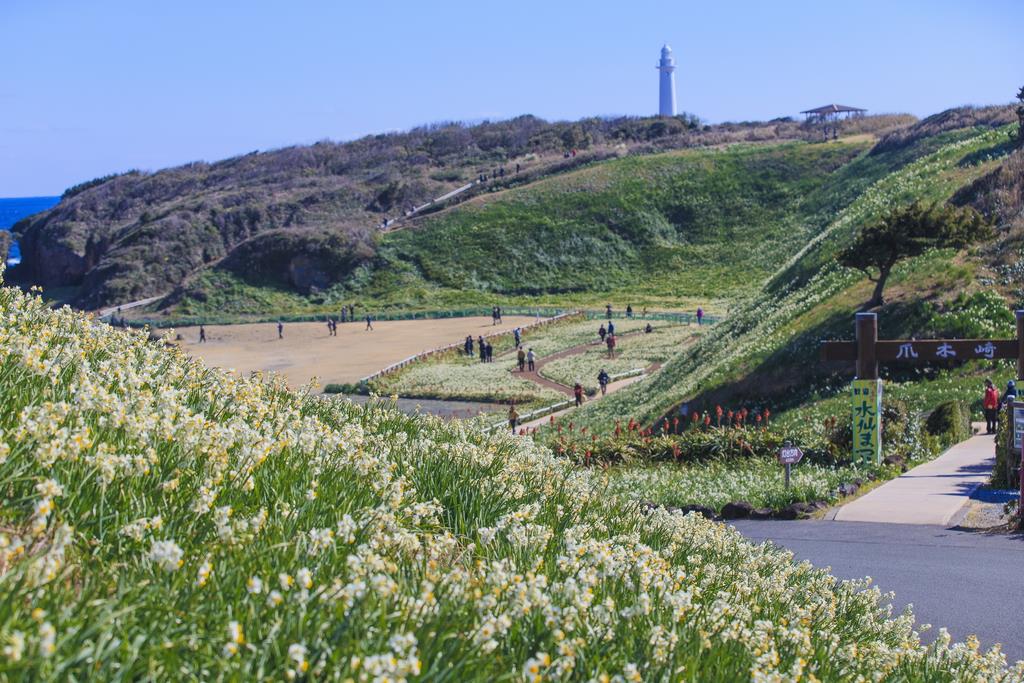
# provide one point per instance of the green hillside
(684, 228)
(301, 219)
(766, 352)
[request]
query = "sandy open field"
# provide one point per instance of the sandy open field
(308, 351)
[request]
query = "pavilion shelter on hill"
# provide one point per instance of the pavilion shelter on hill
(832, 112)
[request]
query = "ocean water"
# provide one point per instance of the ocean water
(13, 209)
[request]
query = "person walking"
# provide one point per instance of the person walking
(468, 346)
(483, 350)
(494, 315)
(531, 359)
(490, 352)
(602, 332)
(330, 328)
(521, 357)
(369, 323)
(280, 330)
(344, 313)
(611, 345)
(518, 334)
(513, 417)
(603, 379)
(629, 310)
(498, 309)
(990, 404)
(700, 316)
(577, 392)
(611, 328)
(608, 311)
(202, 334)
(1009, 396)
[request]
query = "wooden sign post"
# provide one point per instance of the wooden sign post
(868, 351)
(789, 455)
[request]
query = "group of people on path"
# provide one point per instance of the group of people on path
(992, 403)
(486, 349)
(607, 335)
(526, 359)
(603, 380)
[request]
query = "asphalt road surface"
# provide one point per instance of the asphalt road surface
(969, 582)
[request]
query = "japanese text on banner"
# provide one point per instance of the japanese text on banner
(867, 420)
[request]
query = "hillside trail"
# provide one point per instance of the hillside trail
(535, 377)
(542, 171)
(933, 493)
(110, 310)
(612, 388)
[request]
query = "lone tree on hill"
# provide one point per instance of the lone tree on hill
(911, 231)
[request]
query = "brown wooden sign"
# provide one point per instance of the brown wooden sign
(868, 351)
(925, 350)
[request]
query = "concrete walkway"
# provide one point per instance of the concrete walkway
(933, 493)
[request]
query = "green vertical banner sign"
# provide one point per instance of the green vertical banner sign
(867, 420)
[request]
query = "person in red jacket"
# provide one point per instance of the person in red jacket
(990, 403)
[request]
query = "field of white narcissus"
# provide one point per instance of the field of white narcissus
(164, 521)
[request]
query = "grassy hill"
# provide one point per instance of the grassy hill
(765, 354)
(278, 229)
(166, 521)
(682, 228)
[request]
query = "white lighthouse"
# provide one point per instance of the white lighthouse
(667, 91)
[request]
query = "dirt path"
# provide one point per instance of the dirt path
(536, 377)
(612, 388)
(307, 350)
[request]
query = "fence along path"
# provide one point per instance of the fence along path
(457, 345)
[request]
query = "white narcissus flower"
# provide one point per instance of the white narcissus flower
(47, 639)
(166, 555)
(254, 585)
(235, 633)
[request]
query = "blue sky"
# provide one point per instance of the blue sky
(90, 87)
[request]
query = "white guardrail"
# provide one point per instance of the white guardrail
(555, 407)
(457, 345)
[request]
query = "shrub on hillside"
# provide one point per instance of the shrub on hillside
(950, 421)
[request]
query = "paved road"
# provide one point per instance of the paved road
(932, 493)
(968, 582)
